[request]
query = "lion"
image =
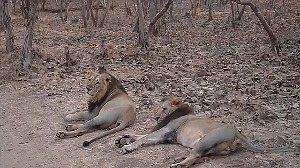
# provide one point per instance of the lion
(177, 123)
(109, 106)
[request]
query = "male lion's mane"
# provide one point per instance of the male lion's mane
(115, 84)
(181, 110)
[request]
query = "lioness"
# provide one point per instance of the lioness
(108, 106)
(176, 122)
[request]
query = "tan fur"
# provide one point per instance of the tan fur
(204, 136)
(99, 92)
(109, 106)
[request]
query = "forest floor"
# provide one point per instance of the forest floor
(227, 74)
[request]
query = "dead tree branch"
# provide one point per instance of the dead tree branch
(109, 4)
(157, 17)
(273, 38)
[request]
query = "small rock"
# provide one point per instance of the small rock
(280, 141)
(295, 105)
(149, 86)
(296, 142)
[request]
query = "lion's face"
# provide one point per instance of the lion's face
(166, 107)
(97, 85)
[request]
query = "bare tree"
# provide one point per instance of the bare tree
(141, 30)
(64, 8)
(84, 12)
(109, 4)
(128, 10)
(273, 38)
(157, 17)
(241, 13)
(233, 14)
(93, 14)
(28, 35)
(25, 8)
(5, 24)
(43, 2)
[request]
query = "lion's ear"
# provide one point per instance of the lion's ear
(106, 77)
(174, 100)
(90, 72)
(101, 69)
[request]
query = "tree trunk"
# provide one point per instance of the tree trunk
(128, 10)
(241, 13)
(64, 8)
(90, 8)
(141, 39)
(273, 38)
(109, 3)
(5, 23)
(152, 12)
(28, 35)
(43, 2)
(210, 18)
(233, 15)
(157, 17)
(24, 6)
(83, 13)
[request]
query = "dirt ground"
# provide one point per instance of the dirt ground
(227, 74)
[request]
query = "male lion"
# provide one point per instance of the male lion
(108, 106)
(177, 123)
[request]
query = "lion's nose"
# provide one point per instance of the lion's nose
(88, 88)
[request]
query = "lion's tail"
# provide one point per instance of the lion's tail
(114, 130)
(245, 142)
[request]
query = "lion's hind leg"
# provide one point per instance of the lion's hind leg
(217, 141)
(100, 122)
(192, 158)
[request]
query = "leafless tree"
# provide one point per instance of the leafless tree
(84, 12)
(141, 30)
(28, 35)
(89, 9)
(127, 7)
(5, 25)
(108, 6)
(64, 8)
(232, 14)
(43, 2)
(157, 17)
(94, 15)
(273, 38)
(13, 4)
(241, 13)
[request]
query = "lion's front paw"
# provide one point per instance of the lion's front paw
(179, 159)
(69, 127)
(72, 127)
(176, 165)
(127, 149)
(69, 118)
(61, 134)
(124, 140)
